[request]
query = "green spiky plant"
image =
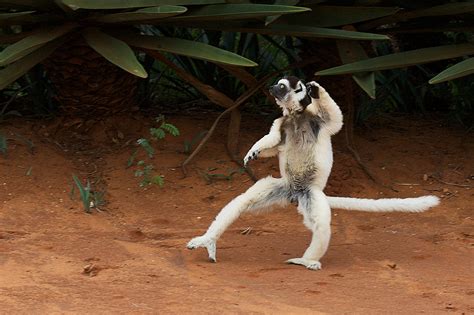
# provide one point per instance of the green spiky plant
(3, 145)
(70, 37)
(90, 198)
(424, 19)
(88, 47)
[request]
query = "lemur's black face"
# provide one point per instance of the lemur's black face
(291, 94)
(279, 91)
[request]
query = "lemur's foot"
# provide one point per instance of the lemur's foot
(308, 263)
(204, 241)
(251, 155)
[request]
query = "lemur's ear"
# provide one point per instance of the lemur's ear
(312, 90)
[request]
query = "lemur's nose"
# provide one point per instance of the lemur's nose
(272, 90)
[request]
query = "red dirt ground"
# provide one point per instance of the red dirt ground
(131, 257)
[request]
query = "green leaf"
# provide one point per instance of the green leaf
(131, 159)
(40, 4)
(145, 144)
(115, 51)
(460, 69)
(3, 144)
(330, 16)
(33, 42)
(171, 129)
(152, 13)
(7, 16)
(157, 133)
(158, 180)
(454, 8)
(125, 4)
(84, 192)
(403, 59)
(352, 51)
(271, 19)
(307, 31)
(441, 10)
(236, 12)
(44, 19)
(20, 67)
(187, 48)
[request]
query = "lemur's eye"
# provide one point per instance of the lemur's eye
(282, 86)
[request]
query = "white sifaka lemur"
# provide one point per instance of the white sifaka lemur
(302, 140)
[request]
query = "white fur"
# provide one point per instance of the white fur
(419, 204)
(317, 211)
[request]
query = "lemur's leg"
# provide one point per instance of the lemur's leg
(264, 193)
(327, 110)
(317, 217)
(270, 141)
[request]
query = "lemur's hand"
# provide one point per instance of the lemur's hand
(251, 155)
(315, 89)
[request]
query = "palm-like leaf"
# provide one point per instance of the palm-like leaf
(33, 42)
(403, 59)
(331, 16)
(126, 4)
(114, 50)
(460, 69)
(20, 67)
(351, 51)
(143, 15)
(282, 17)
(187, 48)
(222, 12)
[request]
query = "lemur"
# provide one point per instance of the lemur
(302, 140)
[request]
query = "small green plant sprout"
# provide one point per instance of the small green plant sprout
(160, 132)
(17, 137)
(189, 144)
(145, 170)
(29, 144)
(3, 145)
(90, 198)
(84, 192)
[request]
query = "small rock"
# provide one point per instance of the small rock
(90, 270)
(392, 266)
(425, 177)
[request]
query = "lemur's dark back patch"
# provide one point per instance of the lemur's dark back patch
(315, 126)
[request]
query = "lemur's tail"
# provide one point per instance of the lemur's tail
(384, 205)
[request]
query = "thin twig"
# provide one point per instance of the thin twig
(349, 132)
(239, 162)
(239, 102)
(451, 184)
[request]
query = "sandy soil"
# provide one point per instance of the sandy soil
(130, 257)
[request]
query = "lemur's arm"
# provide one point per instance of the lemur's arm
(326, 108)
(266, 146)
